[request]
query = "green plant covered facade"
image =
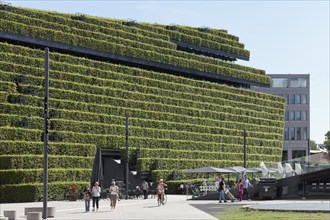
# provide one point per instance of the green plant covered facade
(176, 122)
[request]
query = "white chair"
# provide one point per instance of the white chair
(281, 170)
(297, 168)
(264, 170)
(288, 170)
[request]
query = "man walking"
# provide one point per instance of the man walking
(246, 185)
(222, 187)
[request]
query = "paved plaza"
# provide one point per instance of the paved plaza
(177, 207)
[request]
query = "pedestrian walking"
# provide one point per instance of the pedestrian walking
(145, 188)
(87, 197)
(114, 192)
(246, 185)
(96, 193)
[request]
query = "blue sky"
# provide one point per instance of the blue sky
(282, 36)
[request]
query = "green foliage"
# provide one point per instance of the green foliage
(16, 176)
(13, 147)
(157, 54)
(327, 140)
(28, 192)
(36, 161)
(101, 70)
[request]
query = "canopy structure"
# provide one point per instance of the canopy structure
(210, 170)
(236, 169)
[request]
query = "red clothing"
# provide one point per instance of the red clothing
(240, 191)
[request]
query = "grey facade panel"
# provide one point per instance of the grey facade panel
(292, 146)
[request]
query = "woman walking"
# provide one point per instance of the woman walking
(114, 192)
(87, 197)
(96, 192)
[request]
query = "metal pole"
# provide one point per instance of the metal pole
(244, 147)
(126, 160)
(46, 116)
(308, 152)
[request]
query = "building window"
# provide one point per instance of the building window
(286, 134)
(286, 96)
(297, 99)
(292, 134)
(298, 153)
(280, 82)
(304, 99)
(292, 99)
(286, 116)
(304, 115)
(298, 83)
(285, 155)
(292, 116)
(298, 134)
(304, 133)
(298, 116)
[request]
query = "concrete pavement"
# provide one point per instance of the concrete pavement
(176, 208)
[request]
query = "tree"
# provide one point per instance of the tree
(313, 145)
(327, 140)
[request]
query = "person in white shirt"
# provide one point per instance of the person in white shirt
(145, 188)
(114, 191)
(246, 185)
(96, 193)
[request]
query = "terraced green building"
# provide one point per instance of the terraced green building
(188, 102)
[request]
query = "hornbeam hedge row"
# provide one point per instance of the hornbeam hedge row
(60, 19)
(102, 95)
(101, 104)
(170, 123)
(110, 128)
(92, 65)
(55, 148)
(36, 161)
(113, 36)
(161, 55)
(28, 192)
(176, 123)
(16, 176)
(185, 34)
(68, 78)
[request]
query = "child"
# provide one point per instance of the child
(240, 189)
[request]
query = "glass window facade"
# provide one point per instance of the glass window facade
(286, 116)
(304, 115)
(280, 82)
(304, 99)
(284, 155)
(298, 134)
(298, 153)
(292, 99)
(304, 133)
(297, 99)
(292, 134)
(298, 83)
(286, 134)
(298, 115)
(292, 115)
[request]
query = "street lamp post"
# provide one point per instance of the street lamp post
(46, 117)
(244, 147)
(126, 159)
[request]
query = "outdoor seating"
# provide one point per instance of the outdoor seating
(12, 215)
(33, 216)
(50, 210)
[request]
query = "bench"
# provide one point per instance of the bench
(33, 216)
(3, 218)
(50, 211)
(11, 215)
